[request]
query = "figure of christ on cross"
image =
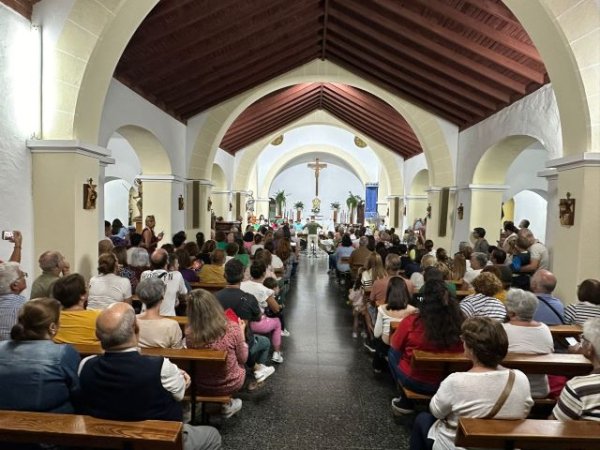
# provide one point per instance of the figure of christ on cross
(317, 167)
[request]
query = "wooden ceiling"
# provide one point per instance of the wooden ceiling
(462, 60)
(357, 108)
(23, 7)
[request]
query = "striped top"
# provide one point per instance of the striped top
(480, 305)
(9, 309)
(578, 313)
(580, 399)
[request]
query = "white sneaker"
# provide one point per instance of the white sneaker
(285, 333)
(354, 335)
(263, 373)
(277, 357)
(234, 405)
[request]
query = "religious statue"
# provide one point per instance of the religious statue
(566, 210)
(230, 206)
(250, 202)
(429, 211)
(209, 204)
(317, 168)
(180, 202)
(460, 211)
(316, 205)
(89, 195)
(135, 202)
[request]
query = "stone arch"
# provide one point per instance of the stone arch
(492, 167)
(151, 153)
(392, 170)
(220, 198)
(426, 126)
(88, 49)
(218, 177)
(420, 183)
(566, 34)
(340, 157)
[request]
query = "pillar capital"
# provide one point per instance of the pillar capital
(200, 181)
(161, 178)
(488, 187)
(50, 146)
(549, 174)
(587, 159)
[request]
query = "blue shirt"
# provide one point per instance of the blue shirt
(38, 376)
(10, 304)
(545, 314)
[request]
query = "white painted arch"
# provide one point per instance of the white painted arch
(304, 154)
(150, 151)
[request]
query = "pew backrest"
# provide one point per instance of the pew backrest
(85, 431)
(528, 434)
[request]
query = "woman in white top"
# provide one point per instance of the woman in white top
(527, 336)
(107, 287)
(394, 309)
(155, 330)
(477, 393)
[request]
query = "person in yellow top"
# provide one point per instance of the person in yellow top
(215, 271)
(77, 324)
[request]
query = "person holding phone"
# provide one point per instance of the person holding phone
(16, 238)
(149, 238)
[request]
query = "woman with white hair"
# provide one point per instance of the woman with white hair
(526, 335)
(155, 330)
(579, 400)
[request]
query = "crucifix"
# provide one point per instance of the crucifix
(317, 167)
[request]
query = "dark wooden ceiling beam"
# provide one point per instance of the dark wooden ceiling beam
(420, 89)
(220, 10)
(325, 28)
(387, 57)
(220, 34)
(449, 114)
(467, 21)
(497, 10)
(232, 89)
(238, 142)
(439, 51)
(261, 69)
(261, 115)
(461, 41)
(395, 146)
(163, 9)
(428, 63)
(369, 111)
(221, 61)
(394, 128)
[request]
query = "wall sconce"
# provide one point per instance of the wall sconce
(89, 195)
(429, 211)
(460, 211)
(180, 202)
(566, 211)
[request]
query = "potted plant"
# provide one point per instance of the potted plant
(335, 207)
(280, 201)
(351, 202)
(299, 207)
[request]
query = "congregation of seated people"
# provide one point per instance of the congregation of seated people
(42, 372)
(485, 302)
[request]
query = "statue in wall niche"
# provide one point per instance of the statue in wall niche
(250, 202)
(135, 202)
(89, 195)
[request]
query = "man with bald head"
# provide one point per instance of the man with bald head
(123, 385)
(174, 281)
(550, 309)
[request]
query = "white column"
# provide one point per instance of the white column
(59, 171)
(551, 175)
(198, 214)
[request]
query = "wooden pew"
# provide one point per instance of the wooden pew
(562, 331)
(86, 431)
(184, 358)
(528, 434)
(552, 364)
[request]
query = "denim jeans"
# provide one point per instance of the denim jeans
(418, 438)
(407, 382)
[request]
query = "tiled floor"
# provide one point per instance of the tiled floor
(325, 395)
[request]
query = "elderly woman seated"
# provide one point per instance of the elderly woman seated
(486, 391)
(483, 303)
(527, 336)
(588, 294)
(579, 400)
(156, 331)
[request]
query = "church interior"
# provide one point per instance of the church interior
(454, 113)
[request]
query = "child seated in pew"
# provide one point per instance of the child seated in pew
(273, 284)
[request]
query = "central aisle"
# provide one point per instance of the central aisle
(325, 394)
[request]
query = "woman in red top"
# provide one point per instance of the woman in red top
(435, 329)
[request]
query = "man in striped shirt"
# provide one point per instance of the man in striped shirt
(580, 398)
